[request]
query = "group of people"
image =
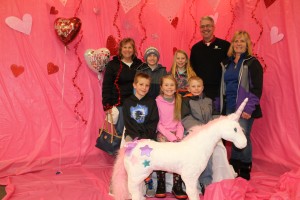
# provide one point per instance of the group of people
(155, 104)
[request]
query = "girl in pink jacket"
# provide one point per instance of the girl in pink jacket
(169, 129)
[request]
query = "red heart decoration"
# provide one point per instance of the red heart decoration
(174, 22)
(269, 2)
(53, 11)
(174, 50)
(67, 29)
(112, 45)
(17, 70)
(51, 68)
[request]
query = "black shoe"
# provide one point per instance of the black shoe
(178, 192)
(245, 170)
(161, 189)
(202, 187)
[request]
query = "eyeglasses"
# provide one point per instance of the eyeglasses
(206, 26)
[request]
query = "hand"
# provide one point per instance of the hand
(246, 115)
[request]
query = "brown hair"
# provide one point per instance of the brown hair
(246, 36)
(189, 69)
(178, 100)
(141, 75)
(124, 42)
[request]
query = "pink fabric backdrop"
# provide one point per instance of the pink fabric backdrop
(42, 115)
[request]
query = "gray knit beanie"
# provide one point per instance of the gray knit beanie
(151, 50)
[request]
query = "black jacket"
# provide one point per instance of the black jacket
(140, 117)
(117, 82)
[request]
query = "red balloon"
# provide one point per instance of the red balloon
(67, 29)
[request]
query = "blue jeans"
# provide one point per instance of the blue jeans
(119, 126)
(245, 154)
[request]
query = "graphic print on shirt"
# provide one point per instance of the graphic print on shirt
(139, 113)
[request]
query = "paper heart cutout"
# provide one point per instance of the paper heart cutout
(215, 17)
(269, 2)
(53, 11)
(64, 2)
(112, 45)
(275, 35)
(17, 24)
(214, 4)
(51, 68)
(168, 8)
(96, 10)
(174, 22)
(129, 4)
(17, 70)
(174, 50)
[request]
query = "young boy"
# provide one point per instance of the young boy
(153, 69)
(141, 116)
(197, 109)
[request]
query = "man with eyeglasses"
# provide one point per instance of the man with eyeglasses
(206, 57)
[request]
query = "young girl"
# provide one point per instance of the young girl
(169, 129)
(182, 70)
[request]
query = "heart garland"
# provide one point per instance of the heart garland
(23, 26)
(174, 22)
(17, 70)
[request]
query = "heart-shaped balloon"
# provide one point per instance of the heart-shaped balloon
(97, 59)
(67, 29)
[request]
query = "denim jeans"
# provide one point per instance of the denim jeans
(119, 126)
(245, 154)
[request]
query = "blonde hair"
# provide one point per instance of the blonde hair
(195, 78)
(178, 100)
(123, 43)
(189, 70)
(246, 36)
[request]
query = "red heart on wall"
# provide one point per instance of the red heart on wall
(17, 70)
(174, 22)
(112, 45)
(174, 50)
(51, 68)
(53, 11)
(269, 2)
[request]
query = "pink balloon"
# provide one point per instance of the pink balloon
(97, 59)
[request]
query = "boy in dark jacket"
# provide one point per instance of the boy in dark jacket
(141, 116)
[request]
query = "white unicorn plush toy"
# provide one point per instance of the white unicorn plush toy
(139, 158)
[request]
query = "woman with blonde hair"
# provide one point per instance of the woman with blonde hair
(242, 77)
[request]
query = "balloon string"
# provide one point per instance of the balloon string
(61, 121)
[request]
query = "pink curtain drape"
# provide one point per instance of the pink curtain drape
(51, 101)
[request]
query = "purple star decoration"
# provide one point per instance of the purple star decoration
(146, 150)
(130, 146)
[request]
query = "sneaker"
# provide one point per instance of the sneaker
(202, 187)
(150, 192)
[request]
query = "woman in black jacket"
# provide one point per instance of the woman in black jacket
(118, 79)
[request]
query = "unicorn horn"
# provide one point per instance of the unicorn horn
(236, 116)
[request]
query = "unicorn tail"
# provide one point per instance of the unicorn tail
(120, 178)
